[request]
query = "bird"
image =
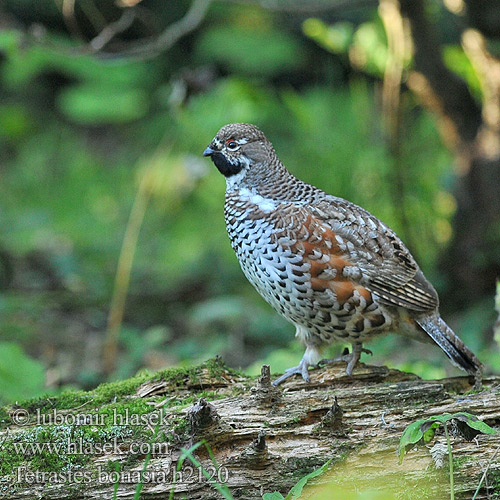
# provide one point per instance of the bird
(328, 266)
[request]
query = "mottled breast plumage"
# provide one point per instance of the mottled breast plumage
(306, 271)
(327, 265)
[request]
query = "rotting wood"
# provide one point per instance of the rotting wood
(266, 438)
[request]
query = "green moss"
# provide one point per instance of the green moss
(131, 411)
(293, 421)
(4, 416)
(102, 394)
(55, 448)
(494, 482)
(181, 377)
(111, 392)
(114, 416)
(217, 368)
(192, 397)
(112, 466)
(10, 459)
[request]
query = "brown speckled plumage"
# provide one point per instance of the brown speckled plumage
(328, 266)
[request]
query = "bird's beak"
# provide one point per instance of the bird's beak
(208, 151)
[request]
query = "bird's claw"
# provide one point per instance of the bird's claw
(351, 358)
(301, 369)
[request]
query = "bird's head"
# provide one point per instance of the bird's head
(238, 147)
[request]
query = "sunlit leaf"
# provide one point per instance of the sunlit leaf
(273, 496)
(336, 37)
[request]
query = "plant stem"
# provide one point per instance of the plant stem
(125, 261)
(122, 278)
(450, 462)
(483, 477)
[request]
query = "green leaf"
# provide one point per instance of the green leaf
(250, 51)
(97, 104)
(296, 491)
(335, 38)
(481, 426)
(430, 430)
(20, 376)
(470, 426)
(273, 496)
(457, 60)
(410, 437)
(424, 430)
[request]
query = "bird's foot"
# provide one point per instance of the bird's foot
(351, 358)
(301, 369)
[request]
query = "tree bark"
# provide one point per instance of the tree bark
(265, 438)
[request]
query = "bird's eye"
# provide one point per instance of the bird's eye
(232, 145)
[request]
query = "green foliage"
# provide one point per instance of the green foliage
(366, 44)
(241, 50)
(294, 494)
(79, 134)
(456, 60)
(95, 104)
(20, 376)
(24, 64)
(336, 37)
(423, 431)
(187, 454)
(296, 491)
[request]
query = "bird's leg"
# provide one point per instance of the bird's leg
(310, 358)
(350, 358)
(301, 369)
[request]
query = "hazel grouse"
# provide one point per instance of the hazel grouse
(325, 264)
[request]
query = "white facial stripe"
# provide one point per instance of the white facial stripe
(233, 182)
(264, 204)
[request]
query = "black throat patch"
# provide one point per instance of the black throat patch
(225, 167)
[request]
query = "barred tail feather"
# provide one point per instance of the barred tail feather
(459, 354)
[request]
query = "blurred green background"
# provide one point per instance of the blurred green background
(99, 121)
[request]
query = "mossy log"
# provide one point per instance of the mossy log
(263, 439)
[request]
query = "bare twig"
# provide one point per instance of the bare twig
(483, 477)
(68, 12)
(487, 69)
(151, 47)
(124, 268)
(113, 29)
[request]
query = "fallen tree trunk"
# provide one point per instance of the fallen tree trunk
(263, 439)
